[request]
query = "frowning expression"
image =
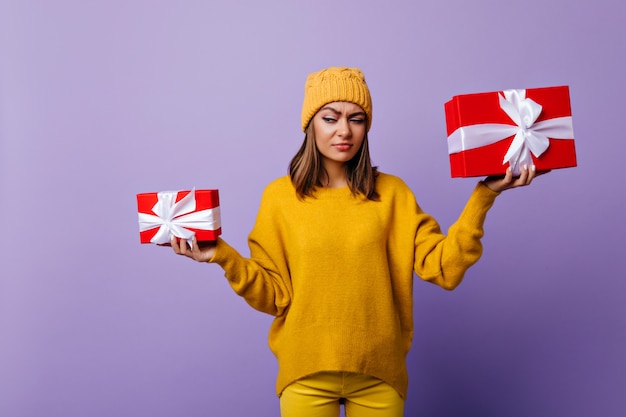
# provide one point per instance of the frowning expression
(339, 128)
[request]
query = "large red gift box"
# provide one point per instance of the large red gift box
(183, 214)
(488, 132)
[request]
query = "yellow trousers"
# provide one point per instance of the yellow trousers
(321, 395)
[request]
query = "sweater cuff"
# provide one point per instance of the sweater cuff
(222, 252)
(479, 204)
(482, 187)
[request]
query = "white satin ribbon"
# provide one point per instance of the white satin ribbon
(530, 136)
(173, 218)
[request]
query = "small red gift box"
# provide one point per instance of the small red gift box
(179, 213)
(488, 132)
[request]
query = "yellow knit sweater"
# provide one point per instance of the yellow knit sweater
(337, 273)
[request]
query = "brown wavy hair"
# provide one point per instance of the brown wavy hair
(307, 171)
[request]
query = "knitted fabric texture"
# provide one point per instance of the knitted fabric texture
(335, 84)
(336, 271)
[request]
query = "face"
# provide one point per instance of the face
(339, 131)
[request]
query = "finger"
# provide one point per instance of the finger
(532, 172)
(508, 176)
(175, 245)
(184, 247)
(523, 176)
(181, 244)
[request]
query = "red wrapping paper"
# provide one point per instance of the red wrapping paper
(485, 108)
(206, 201)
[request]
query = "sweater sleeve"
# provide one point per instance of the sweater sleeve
(262, 280)
(443, 260)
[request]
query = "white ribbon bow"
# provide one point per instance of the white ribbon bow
(530, 137)
(173, 218)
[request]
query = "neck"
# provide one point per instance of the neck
(335, 175)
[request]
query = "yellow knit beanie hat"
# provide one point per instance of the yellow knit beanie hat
(335, 84)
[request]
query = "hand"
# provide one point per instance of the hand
(501, 183)
(201, 252)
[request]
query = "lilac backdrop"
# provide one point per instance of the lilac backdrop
(102, 100)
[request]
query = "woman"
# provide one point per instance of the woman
(333, 252)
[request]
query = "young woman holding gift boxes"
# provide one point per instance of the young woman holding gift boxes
(332, 257)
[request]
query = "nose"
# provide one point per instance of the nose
(343, 129)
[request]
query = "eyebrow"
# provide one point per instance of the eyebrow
(327, 107)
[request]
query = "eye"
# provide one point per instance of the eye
(358, 120)
(328, 119)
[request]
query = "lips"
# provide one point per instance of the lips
(342, 146)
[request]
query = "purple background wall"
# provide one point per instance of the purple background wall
(103, 100)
